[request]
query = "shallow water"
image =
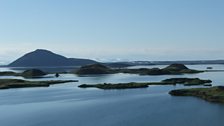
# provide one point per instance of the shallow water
(68, 105)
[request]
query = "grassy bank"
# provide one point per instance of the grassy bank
(213, 94)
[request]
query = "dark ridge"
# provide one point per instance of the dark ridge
(173, 69)
(94, 69)
(176, 67)
(187, 81)
(32, 73)
(115, 86)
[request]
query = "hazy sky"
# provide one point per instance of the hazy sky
(113, 29)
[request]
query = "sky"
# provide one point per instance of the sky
(113, 30)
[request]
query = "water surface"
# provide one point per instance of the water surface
(68, 105)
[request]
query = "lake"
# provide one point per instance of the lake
(68, 105)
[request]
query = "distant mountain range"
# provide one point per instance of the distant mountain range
(45, 58)
(190, 62)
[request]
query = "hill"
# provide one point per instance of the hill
(94, 69)
(44, 58)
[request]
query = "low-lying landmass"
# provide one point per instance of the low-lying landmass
(172, 69)
(116, 86)
(213, 94)
(94, 69)
(188, 81)
(31, 73)
(172, 81)
(8, 73)
(18, 83)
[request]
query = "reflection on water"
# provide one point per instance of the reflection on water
(68, 105)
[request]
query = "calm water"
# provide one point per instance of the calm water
(67, 105)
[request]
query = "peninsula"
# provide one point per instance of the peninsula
(213, 94)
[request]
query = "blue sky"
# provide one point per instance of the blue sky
(113, 29)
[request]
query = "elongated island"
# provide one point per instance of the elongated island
(212, 94)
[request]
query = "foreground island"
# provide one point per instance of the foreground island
(171, 81)
(213, 94)
(18, 83)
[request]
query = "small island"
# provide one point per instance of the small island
(115, 86)
(173, 69)
(172, 81)
(33, 73)
(213, 94)
(30, 73)
(94, 69)
(18, 83)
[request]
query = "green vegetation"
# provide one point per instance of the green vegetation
(172, 81)
(18, 83)
(213, 94)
